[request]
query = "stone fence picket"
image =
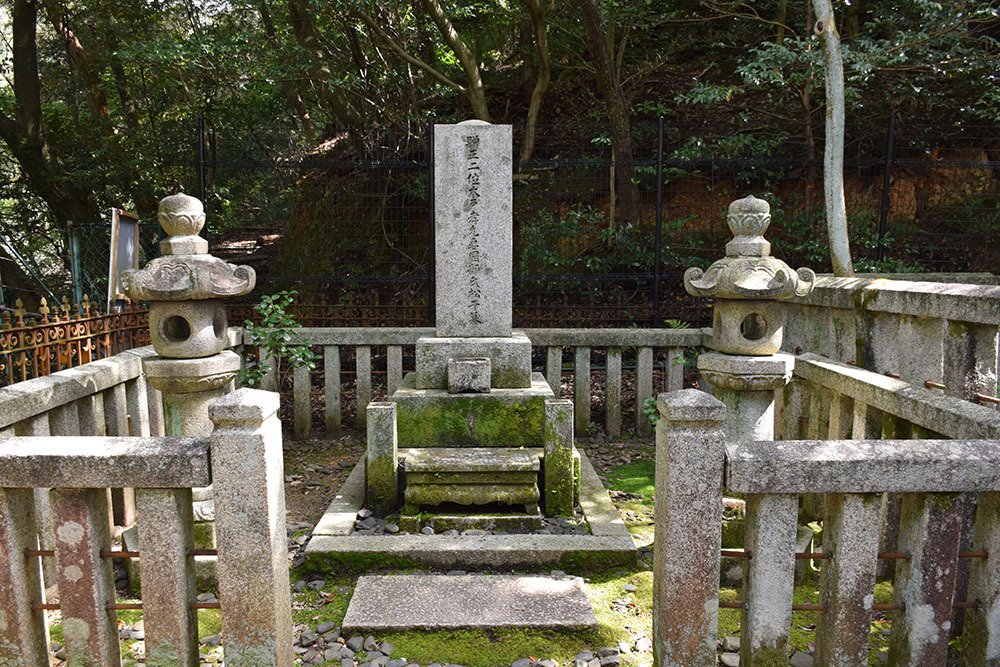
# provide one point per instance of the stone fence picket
(694, 464)
(163, 470)
(668, 344)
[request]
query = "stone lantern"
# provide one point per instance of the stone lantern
(186, 288)
(747, 323)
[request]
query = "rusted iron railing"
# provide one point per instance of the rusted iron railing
(65, 336)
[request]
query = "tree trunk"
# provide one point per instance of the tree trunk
(305, 33)
(833, 158)
(291, 94)
(619, 117)
(66, 199)
(474, 90)
(541, 81)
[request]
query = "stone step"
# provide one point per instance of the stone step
(443, 602)
(471, 459)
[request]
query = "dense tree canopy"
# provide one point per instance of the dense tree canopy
(100, 95)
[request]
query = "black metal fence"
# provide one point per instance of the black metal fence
(348, 223)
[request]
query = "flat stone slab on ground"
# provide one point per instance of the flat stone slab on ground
(433, 602)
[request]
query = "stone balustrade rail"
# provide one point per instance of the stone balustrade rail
(241, 459)
(854, 475)
(940, 333)
(667, 344)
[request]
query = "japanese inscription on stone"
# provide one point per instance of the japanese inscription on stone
(473, 230)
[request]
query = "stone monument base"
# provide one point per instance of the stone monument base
(503, 418)
(510, 360)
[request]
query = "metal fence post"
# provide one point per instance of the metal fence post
(883, 216)
(74, 261)
(659, 220)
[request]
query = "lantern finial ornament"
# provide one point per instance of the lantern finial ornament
(187, 317)
(746, 281)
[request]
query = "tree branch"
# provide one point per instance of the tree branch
(402, 53)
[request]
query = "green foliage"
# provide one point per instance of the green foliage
(650, 410)
(277, 335)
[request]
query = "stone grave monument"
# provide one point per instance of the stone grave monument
(472, 426)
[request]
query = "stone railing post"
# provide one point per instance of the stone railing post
(558, 457)
(381, 477)
(248, 479)
(23, 635)
(690, 456)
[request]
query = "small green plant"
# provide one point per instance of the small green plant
(649, 409)
(277, 336)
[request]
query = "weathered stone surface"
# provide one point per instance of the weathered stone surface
(769, 576)
(558, 457)
(338, 519)
(504, 523)
(643, 389)
(81, 462)
(469, 375)
(302, 401)
(613, 392)
(748, 272)
(36, 396)
(510, 359)
(847, 583)
(949, 301)
(494, 552)
(165, 536)
(22, 630)
(930, 528)
(86, 581)
(930, 409)
(472, 229)
(503, 418)
(689, 462)
(381, 479)
(406, 602)
(446, 460)
(250, 499)
(435, 476)
(747, 327)
(188, 329)
(982, 645)
(862, 466)
(581, 389)
(188, 387)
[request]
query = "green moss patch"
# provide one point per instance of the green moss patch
(638, 478)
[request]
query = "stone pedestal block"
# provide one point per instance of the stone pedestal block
(381, 479)
(469, 375)
(188, 386)
(747, 386)
(510, 359)
(502, 418)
